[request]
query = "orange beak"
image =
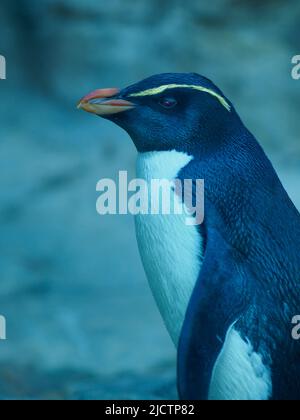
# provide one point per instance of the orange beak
(104, 102)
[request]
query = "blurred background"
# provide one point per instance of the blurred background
(81, 322)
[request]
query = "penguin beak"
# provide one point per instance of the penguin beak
(104, 102)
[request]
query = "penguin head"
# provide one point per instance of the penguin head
(173, 111)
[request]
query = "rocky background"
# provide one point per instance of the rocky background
(81, 322)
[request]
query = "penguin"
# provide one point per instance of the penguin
(229, 288)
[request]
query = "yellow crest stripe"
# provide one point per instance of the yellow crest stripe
(163, 88)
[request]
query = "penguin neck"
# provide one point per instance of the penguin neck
(170, 250)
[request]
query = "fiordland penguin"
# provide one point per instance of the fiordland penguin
(227, 289)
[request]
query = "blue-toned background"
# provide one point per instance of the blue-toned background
(81, 321)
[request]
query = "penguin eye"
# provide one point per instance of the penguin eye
(167, 102)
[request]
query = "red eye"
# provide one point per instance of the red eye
(168, 102)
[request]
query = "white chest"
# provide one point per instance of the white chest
(170, 249)
(171, 254)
